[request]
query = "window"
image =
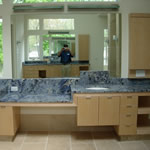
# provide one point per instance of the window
(38, 1)
(33, 47)
(45, 37)
(53, 43)
(58, 24)
(33, 24)
(1, 50)
(1, 2)
(105, 49)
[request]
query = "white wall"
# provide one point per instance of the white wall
(18, 45)
(5, 13)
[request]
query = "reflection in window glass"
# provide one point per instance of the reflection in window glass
(1, 50)
(59, 24)
(39, 1)
(33, 43)
(33, 24)
(46, 48)
(53, 43)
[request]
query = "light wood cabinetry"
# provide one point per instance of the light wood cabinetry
(9, 120)
(128, 115)
(83, 41)
(50, 71)
(139, 45)
(109, 110)
(87, 110)
(97, 110)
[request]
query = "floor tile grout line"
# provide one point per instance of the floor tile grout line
(23, 141)
(94, 141)
(120, 145)
(146, 148)
(70, 142)
(46, 145)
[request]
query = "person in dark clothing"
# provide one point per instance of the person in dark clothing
(65, 55)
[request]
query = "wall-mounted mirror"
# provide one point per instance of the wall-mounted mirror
(93, 38)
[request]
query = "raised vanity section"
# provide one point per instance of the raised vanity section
(44, 69)
(99, 99)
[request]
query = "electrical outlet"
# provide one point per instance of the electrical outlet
(14, 88)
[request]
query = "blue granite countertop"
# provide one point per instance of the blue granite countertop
(50, 90)
(19, 98)
(30, 63)
(110, 88)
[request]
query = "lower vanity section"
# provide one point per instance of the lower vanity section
(128, 113)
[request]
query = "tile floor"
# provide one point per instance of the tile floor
(71, 141)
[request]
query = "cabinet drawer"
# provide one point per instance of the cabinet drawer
(128, 118)
(128, 110)
(129, 101)
(127, 129)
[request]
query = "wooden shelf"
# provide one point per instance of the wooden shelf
(144, 110)
(143, 130)
(38, 104)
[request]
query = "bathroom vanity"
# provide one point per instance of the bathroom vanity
(123, 104)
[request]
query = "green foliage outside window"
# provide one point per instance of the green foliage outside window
(0, 1)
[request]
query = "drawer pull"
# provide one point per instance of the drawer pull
(109, 97)
(129, 97)
(128, 125)
(129, 106)
(128, 115)
(88, 97)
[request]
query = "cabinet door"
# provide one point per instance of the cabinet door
(87, 110)
(75, 71)
(9, 120)
(109, 110)
(83, 47)
(139, 52)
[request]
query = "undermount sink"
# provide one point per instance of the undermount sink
(97, 88)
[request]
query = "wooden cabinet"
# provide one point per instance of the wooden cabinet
(87, 110)
(128, 115)
(139, 45)
(9, 120)
(51, 71)
(109, 110)
(97, 110)
(83, 41)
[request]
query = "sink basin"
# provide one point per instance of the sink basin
(97, 88)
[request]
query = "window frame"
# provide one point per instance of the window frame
(39, 32)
